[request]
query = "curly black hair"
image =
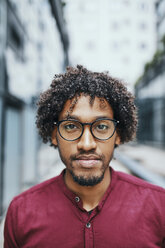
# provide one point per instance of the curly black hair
(77, 81)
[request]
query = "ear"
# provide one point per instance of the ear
(54, 137)
(117, 140)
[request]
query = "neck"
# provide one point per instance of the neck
(90, 195)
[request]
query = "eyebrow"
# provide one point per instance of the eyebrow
(73, 117)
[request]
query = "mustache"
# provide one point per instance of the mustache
(87, 154)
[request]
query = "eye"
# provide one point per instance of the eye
(70, 126)
(102, 127)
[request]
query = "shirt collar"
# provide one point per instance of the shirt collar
(76, 200)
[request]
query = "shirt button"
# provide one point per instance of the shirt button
(88, 225)
(77, 199)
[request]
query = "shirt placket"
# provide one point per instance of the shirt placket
(88, 224)
(88, 233)
(87, 220)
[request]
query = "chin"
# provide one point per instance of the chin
(84, 180)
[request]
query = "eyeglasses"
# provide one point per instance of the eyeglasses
(101, 129)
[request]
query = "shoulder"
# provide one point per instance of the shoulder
(39, 192)
(31, 207)
(139, 193)
(133, 181)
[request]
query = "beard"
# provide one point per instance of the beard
(90, 181)
(81, 178)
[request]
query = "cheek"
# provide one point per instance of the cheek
(66, 149)
(107, 149)
(63, 153)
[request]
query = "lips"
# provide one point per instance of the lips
(88, 157)
(87, 161)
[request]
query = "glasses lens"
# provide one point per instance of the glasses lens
(103, 129)
(70, 130)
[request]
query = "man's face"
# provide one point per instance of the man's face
(87, 158)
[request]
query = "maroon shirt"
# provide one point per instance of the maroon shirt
(130, 215)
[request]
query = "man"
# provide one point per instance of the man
(86, 115)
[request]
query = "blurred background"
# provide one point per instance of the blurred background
(39, 39)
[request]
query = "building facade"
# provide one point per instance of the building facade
(117, 36)
(160, 12)
(33, 47)
(150, 89)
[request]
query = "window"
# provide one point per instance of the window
(143, 26)
(90, 45)
(143, 6)
(127, 22)
(125, 60)
(143, 45)
(126, 2)
(115, 25)
(115, 45)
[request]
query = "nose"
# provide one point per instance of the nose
(87, 141)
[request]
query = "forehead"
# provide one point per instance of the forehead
(82, 109)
